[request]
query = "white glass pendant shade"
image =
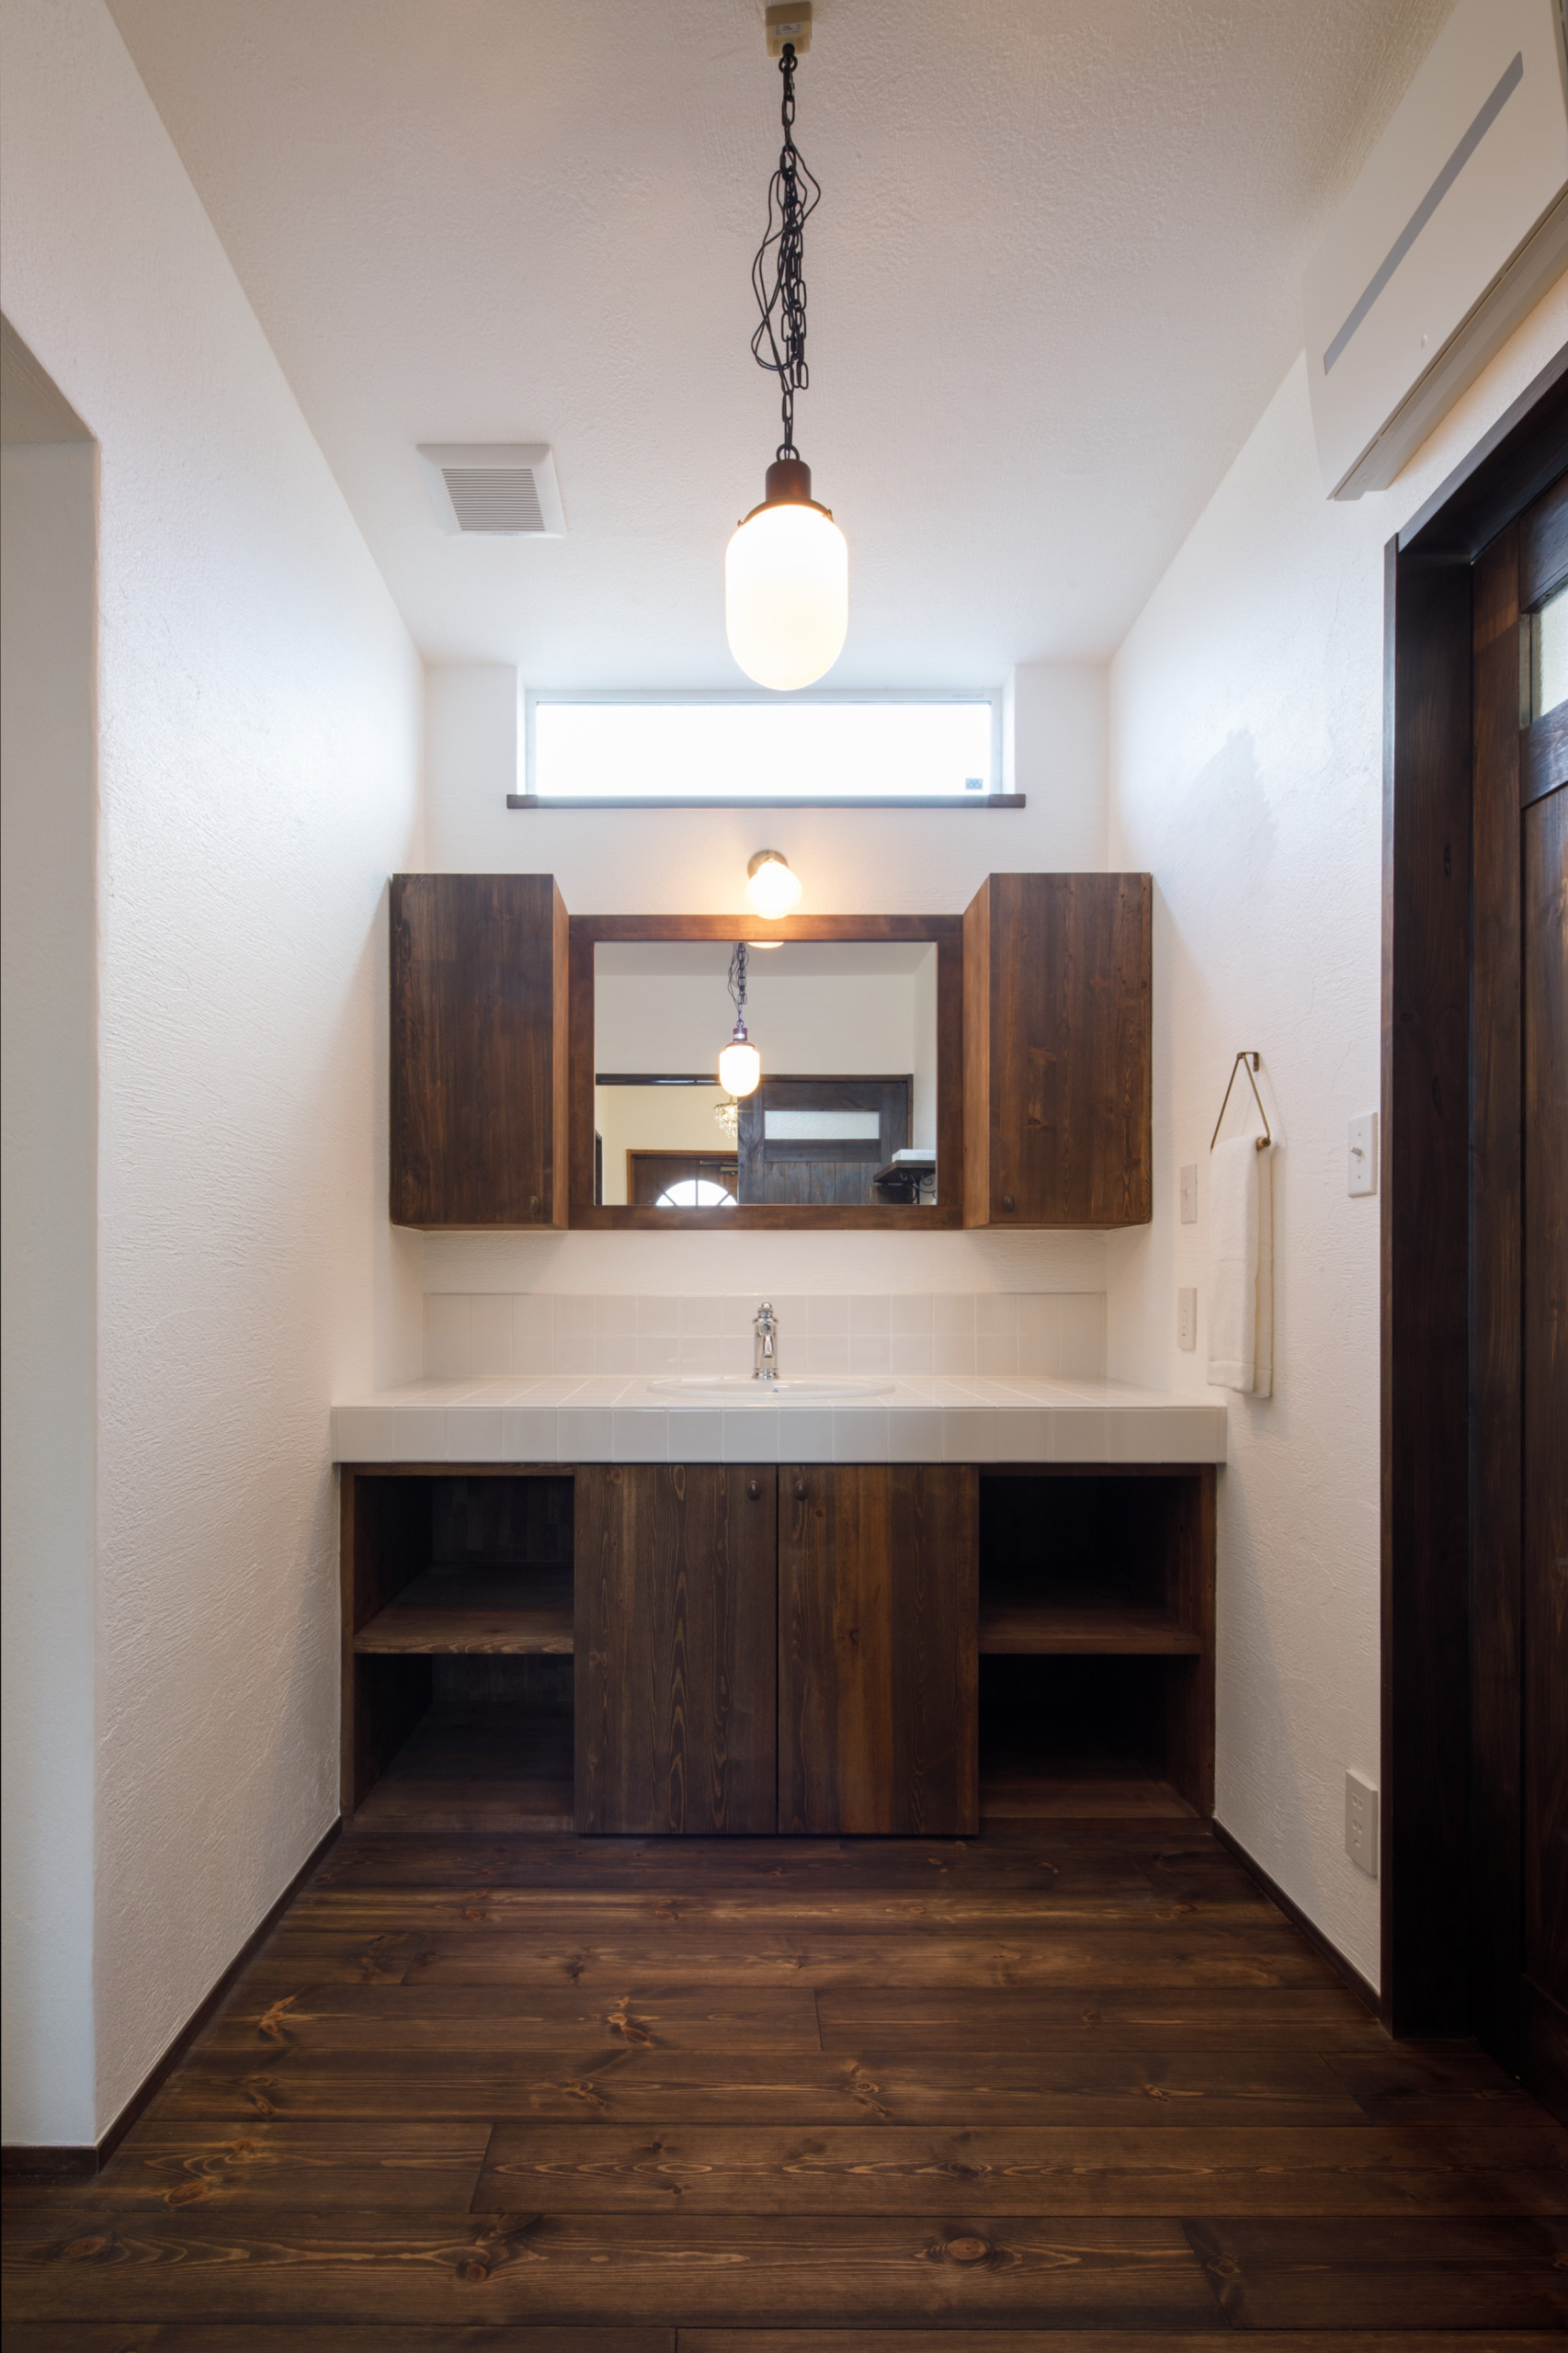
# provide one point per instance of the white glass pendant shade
(787, 593)
(740, 1066)
(772, 890)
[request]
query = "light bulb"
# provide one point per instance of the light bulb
(787, 593)
(740, 1066)
(771, 889)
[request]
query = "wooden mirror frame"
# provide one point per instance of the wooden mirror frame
(947, 931)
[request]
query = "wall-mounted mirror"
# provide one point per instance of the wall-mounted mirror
(848, 1120)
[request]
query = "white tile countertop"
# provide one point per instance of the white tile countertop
(562, 1417)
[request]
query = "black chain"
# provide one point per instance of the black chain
(736, 984)
(792, 195)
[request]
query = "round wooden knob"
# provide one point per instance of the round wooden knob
(1008, 1202)
(754, 1488)
(534, 1205)
(799, 1491)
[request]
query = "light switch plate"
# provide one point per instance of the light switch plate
(1362, 1164)
(1186, 1319)
(1189, 1194)
(1361, 1823)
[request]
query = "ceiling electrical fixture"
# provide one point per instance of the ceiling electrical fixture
(505, 488)
(739, 1064)
(772, 890)
(786, 568)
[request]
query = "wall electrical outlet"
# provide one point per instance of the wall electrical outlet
(1189, 1194)
(1361, 1823)
(1186, 1319)
(1362, 1164)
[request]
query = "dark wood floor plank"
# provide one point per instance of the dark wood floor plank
(1407, 2274)
(407, 2019)
(179, 2167)
(327, 2336)
(295, 1956)
(1435, 2084)
(1099, 2340)
(1050, 2170)
(665, 1953)
(346, 2337)
(1093, 2088)
(423, 1911)
(959, 2272)
(1295, 2018)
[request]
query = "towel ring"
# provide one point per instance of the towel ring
(1248, 1060)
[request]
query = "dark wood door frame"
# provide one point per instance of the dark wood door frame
(1426, 1418)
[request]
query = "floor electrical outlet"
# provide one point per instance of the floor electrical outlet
(1361, 1823)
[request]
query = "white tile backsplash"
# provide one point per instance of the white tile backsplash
(490, 1331)
(1055, 1334)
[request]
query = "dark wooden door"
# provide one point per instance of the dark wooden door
(1519, 1304)
(676, 1647)
(813, 1167)
(478, 1050)
(1058, 999)
(877, 1641)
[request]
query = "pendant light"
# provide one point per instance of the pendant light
(739, 1064)
(772, 890)
(786, 568)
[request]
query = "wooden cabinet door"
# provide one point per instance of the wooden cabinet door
(1058, 997)
(878, 1637)
(676, 1647)
(478, 1050)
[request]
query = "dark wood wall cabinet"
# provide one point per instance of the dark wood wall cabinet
(650, 1649)
(478, 1050)
(1056, 1011)
(1044, 1028)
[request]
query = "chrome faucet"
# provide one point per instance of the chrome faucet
(767, 1344)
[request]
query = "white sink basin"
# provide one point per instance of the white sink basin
(744, 1389)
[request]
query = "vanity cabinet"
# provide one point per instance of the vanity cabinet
(478, 1050)
(877, 1668)
(676, 1641)
(836, 1649)
(1057, 1038)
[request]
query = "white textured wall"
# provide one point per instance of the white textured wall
(258, 772)
(1246, 719)
(48, 1197)
(900, 861)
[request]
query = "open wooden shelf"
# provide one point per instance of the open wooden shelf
(1047, 1629)
(444, 1611)
(477, 1768)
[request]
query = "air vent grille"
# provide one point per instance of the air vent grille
(502, 490)
(494, 498)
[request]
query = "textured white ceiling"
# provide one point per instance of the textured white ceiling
(1053, 279)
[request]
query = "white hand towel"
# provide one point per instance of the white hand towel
(1232, 1263)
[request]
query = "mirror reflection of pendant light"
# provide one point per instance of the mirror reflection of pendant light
(739, 1064)
(786, 568)
(772, 890)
